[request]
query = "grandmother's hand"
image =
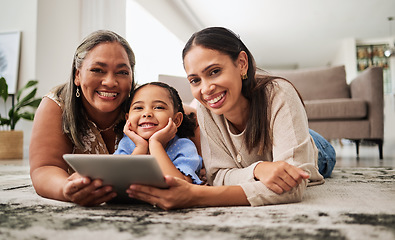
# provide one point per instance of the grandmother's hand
(279, 176)
(84, 192)
(178, 195)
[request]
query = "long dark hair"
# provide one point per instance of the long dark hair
(188, 124)
(256, 88)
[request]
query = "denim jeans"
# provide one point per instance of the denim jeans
(326, 154)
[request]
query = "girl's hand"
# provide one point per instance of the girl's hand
(84, 192)
(178, 195)
(165, 134)
(141, 143)
(279, 176)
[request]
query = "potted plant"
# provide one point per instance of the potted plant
(11, 146)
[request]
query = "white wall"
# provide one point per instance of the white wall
(346, 55)
(389, 119)
(21, 15)
(57, 40)
(102, 14)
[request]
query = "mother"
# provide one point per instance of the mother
(85, 115)
(256, 143)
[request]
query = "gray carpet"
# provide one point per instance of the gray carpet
(356, 203)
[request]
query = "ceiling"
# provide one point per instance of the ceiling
(282, 33)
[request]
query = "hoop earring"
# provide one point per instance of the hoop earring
(244, 76)
(77, 93)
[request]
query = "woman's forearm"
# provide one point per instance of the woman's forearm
(209, 196)
(48, 182)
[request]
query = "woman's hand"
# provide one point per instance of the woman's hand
(178, 195)
(141, 143)
(279, 176)
(165, 134)
(84, 192)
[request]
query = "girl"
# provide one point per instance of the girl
(156, 124)
(255, 139)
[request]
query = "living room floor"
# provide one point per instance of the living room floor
(368, 155)
(345, 156)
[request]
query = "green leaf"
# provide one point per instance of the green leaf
(11, 113)
(34, 103)
(27, 116)
(28, 85)
(22, 102)
(4, 121)
(3, 89)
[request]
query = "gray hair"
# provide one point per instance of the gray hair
(74, 118)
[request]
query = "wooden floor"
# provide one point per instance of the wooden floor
(368, 155)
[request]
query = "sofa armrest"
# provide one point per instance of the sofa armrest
(369, 87)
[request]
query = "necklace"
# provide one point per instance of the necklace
(237, 134)
(105, 129)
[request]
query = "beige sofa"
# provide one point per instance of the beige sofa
(334, 108)
(338, 110)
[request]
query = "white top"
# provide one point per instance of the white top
(228, 162)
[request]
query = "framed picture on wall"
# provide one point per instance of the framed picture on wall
(10, 43)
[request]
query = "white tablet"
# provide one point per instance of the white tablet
(119, 171)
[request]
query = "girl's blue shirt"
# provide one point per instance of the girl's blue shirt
(181, 151)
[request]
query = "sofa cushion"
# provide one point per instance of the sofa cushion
(181, 84)
(318, 83)
(336, 109)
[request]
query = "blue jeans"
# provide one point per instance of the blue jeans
(326, 154)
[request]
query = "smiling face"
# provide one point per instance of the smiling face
(105, 78)
(215, 80)
(150, 111)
